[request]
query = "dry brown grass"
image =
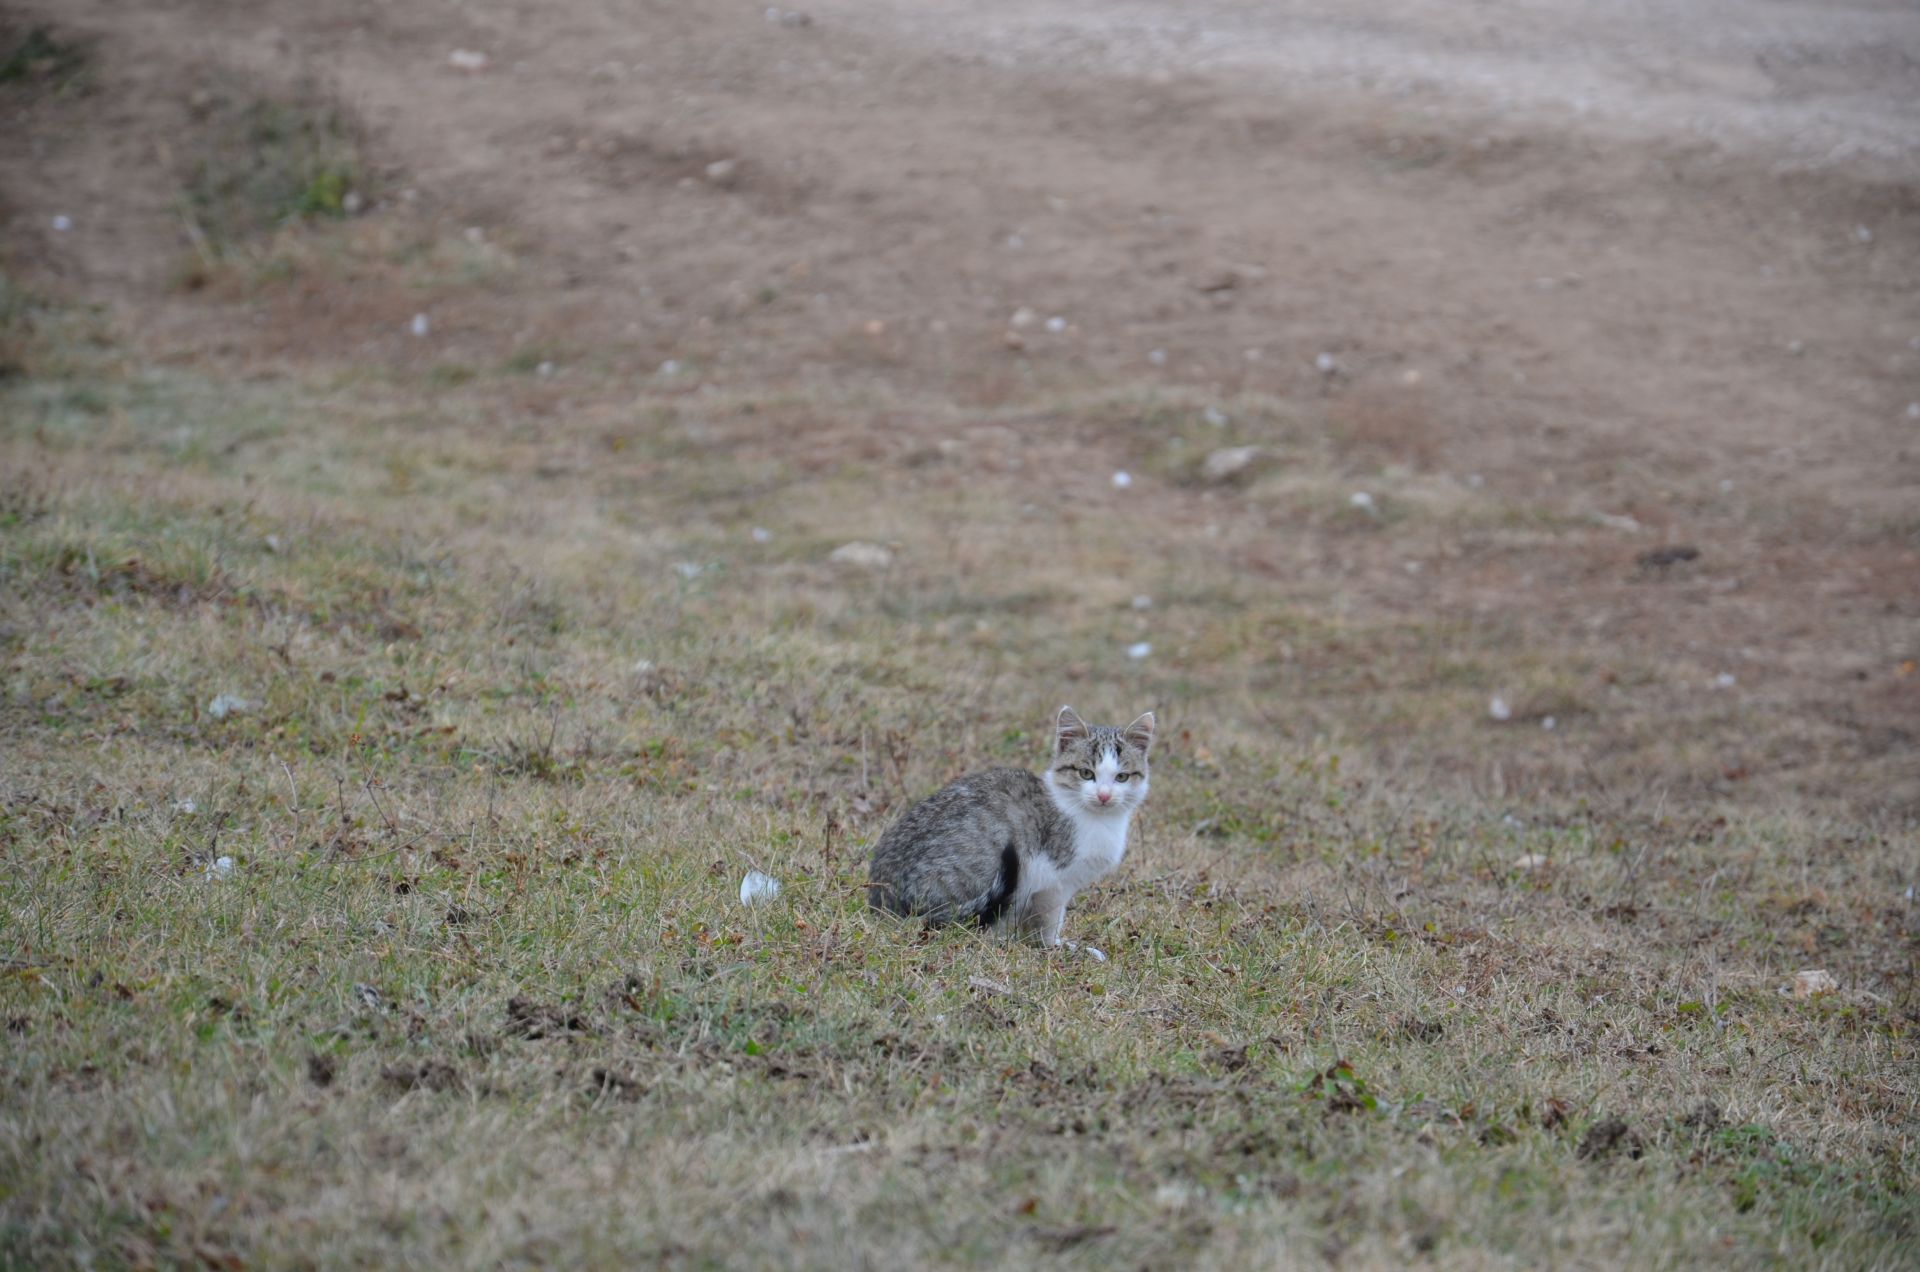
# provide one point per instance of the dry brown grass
(479, 970)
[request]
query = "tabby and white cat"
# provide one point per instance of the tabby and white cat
(1006, 848)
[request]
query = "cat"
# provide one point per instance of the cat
(1006, 848)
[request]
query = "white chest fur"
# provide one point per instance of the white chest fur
(1099, 844)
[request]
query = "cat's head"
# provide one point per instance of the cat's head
(1100, 769)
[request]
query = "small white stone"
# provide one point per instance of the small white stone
(1139, 651)
(688, 569)
(1158, 357)
(670, 367)
(1796, 347)
(722, 171)
(1094, 952)
(468, 60)
(1862, 234)
(1498, 709)
(1056, 324)
(1361, 499)
(1143, 602)
(351, 203)
(274, 545)
(1216, 417)
(185, 807)
(545, 370)
(420, 325)
(1529, 861)
(1023, 317)
(1015, 242)
(1122, 479)
(1913, 410)
(867, 556)
(757, 888)
(220, 868)
(1226, 464)
(1726, 485)
(226, 705)
(61, 224)
(1549, 723)
(1325, 364)
(1725, 680)
(760, 534)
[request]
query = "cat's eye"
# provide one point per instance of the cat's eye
(1124, 777)
(1085, 775)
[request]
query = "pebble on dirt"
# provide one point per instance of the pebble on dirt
(1122, 479)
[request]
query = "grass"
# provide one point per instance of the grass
(1388, 982)
(267, 160)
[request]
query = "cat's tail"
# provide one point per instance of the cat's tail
(991, 904)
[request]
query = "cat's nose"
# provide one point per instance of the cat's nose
(1104, 795)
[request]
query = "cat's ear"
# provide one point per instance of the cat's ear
(1068, 728)
(1140, 732)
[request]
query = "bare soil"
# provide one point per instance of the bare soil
(1650, 271)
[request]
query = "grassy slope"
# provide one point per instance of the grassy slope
(478, 988)
(526, 698)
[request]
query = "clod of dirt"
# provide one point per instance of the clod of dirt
(528, 1019)
(1424, 1030)
(1607, 1138)
(433, 1075)
(321, 1069)
(1705, 1118)
(1232, 1059)
(1660, 560)
(606, 1084)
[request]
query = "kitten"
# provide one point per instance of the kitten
(1006, 848)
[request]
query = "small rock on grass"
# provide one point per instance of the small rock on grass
(866, 556)
(228, 704)
(757, 888)
(1229, 462)
(1810, 983)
